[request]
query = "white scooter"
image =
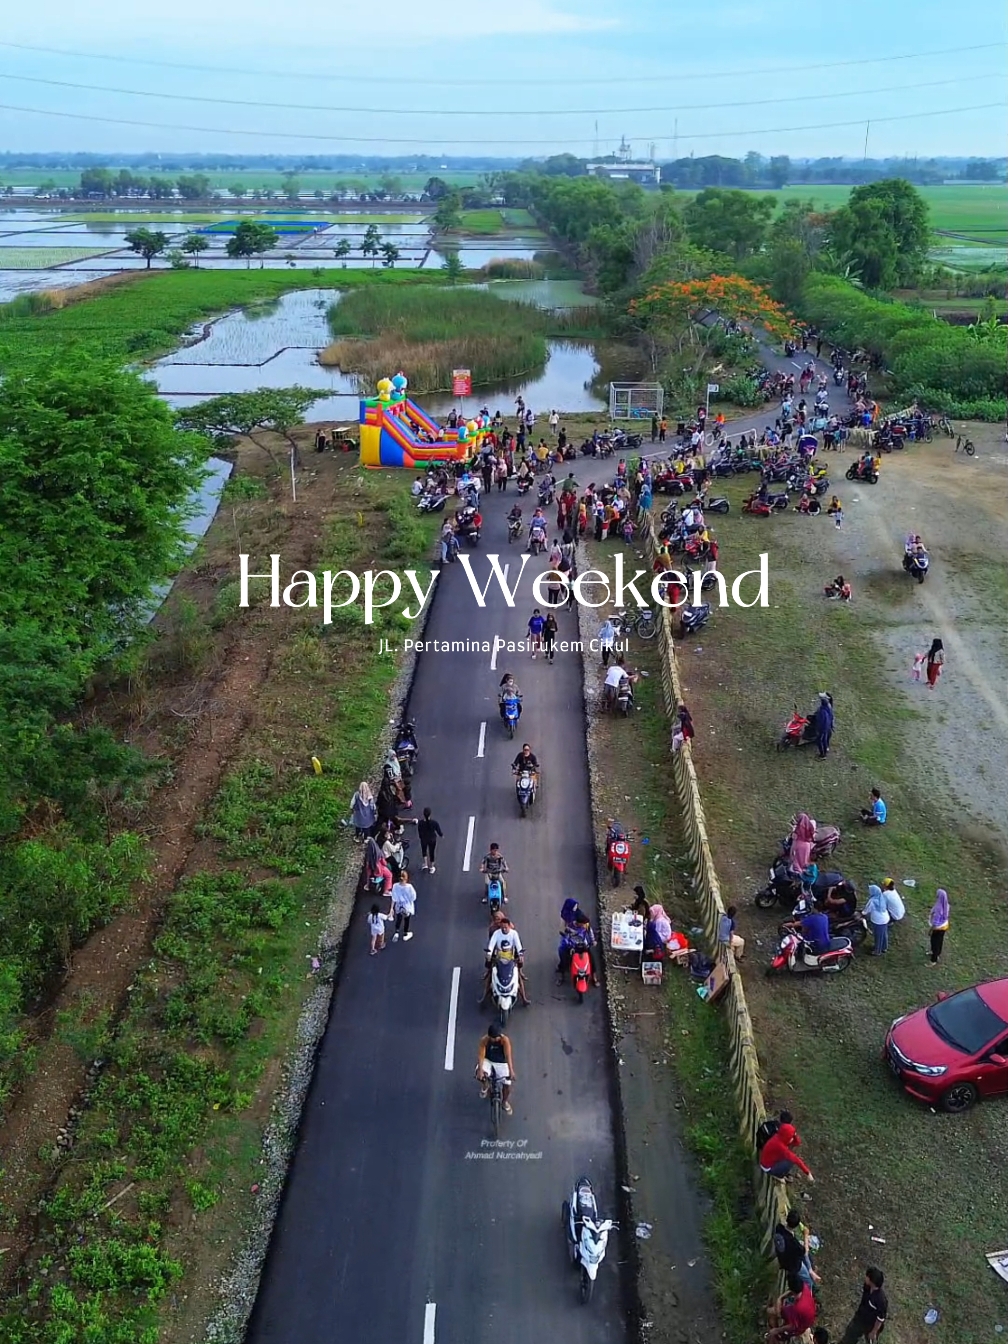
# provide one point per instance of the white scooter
(504, 986)
(587, 1233)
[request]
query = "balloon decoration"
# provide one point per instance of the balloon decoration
(399, 383)
(385, 389)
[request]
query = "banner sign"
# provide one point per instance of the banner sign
(461, 383)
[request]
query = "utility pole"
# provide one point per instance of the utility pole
(675, 140)
(866, 130)
(596, 140)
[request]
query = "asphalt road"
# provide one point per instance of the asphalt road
(396, 1225)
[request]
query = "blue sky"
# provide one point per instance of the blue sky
(508, 77)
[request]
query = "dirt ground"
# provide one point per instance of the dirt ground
(192, 705)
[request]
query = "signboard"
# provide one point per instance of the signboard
(461, 383)
(712, 388)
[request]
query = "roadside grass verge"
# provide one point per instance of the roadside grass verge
(885, 1167)
(145, 314)
(429, 332)
(158, 1184)
(636, 787)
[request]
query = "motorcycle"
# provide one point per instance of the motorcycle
(537, 540)
(842, 925)
(617, 853)
(525, 790)
(692, 618)
(824, 840)
(719, 504)
(406, 748)
(524, 484)
(470, 521)
(512, 713)
(798, 731)
(580, 968)
(514, 529)
(916, 564)
(431, 503)
(624, 697)
(587, 1234)
(545, 493)
(837, 592)
(504, 985)
(794, 954)
(779, 500)
(857, 471)
(494, 894)
(759, 508)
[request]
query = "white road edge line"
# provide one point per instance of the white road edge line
(430, 1311)
(482, 741)
(506, 568)
(498, 643)
(796, 364)
(449, 1053)
(468, 849)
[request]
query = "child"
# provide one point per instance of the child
(918, 665)
(376, 925)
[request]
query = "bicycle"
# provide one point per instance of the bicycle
(496, 1095)
(945, 425)
(965, 445)
(640, 623)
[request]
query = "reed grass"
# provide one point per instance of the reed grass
(512, 268)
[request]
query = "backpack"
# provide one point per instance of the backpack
(766, 1130)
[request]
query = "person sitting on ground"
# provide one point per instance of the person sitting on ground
(727, 937)
(875, 814)
(793, 1313)
(777, 1156)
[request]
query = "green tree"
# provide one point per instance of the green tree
(46, 187)
(97, 182)
(228, 417)
(732, 222)
(194, 187)
(884, 231)
(290, 186)
(448, 216)
(453, 267)
(372, 244)
(779, 171)
(436, 189)
(390, 184)
(390, 253)
(251, 239)
(147, 243)
(239, 190)
(194, 244)
(342, 250)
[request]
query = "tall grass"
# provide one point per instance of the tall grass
(429, 332)
(512, 268)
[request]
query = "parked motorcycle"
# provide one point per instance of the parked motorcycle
(719, 504)
(504, 986)
(431, 503)
(756, 506)
(794, 954)
(617, 852)
(693, 618)
(525, 790)
(587, 1234)
(406, 748)
(798, 731)
(824, 841)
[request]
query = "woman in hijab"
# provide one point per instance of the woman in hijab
(803, 838)
(363, 811)
(938, 922)
(659, 928)
(935, 662)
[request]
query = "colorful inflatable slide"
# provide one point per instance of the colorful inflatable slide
(395, 432)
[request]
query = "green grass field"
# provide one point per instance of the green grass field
(965, 209)
(259, 177)
(41, 258)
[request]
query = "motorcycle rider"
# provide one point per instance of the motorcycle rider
(508, 688)
(494, 865)
(815, 930)
(504, 944)
(526, 760)
(494, 1057)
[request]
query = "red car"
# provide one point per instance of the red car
(955, 1051)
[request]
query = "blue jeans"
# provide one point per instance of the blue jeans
(880, 933)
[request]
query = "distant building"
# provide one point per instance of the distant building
(621, 167)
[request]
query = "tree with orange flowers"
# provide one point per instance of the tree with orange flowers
(682, 313)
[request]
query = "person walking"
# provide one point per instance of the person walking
(938, 922)
(549, 637)
(825, 725)
(376, 928)
(403, 906)
(877, 913)
(428, 832)
(554, 422)
(363, 811)
(654, 428)
(662, 429)
(869, 1320)
(606, 639)
(935, 662)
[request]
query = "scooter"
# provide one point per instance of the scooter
(794, 954)
(587, 1234)
(916, 564)
(798, 732)
(624, 697)
(431, 503)
(504, 986)
(537, 540)
(759, 508)
(524, 484)
(719, 504)
(494, 894)
(525, 790)
(858, 473)
(512, 713)
(824, 841)
(854, 927)
(693, 619)
(514, 529)
(580, 969)
(617, 853)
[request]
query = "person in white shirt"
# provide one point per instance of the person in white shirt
(403, 906)
(606, 639)
(505, 945)
(614, 679)
(893, 901)
(554, 421)
(376, 928)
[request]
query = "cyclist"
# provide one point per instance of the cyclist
(505, 944)
(494, 1059)
(494, 865)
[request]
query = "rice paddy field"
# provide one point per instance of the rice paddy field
(43, 258)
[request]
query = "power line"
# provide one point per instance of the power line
(483, 112)
(512, 141)
(454, 83)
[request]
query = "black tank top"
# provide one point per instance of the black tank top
(495, 1052)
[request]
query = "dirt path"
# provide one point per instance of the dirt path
(102, 970)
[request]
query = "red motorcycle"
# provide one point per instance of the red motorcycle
(617, 852)
(798, 731)
(580, 969)
(759, 508)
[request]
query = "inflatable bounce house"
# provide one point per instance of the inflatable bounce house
(395, 432)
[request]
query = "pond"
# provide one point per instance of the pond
(275, 345)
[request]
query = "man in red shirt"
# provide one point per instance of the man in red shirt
(777, 1156)
(792, 1314)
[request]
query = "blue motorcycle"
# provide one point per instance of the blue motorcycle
(512, 713)
(494, 894)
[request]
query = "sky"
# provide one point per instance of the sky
(507, 77)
